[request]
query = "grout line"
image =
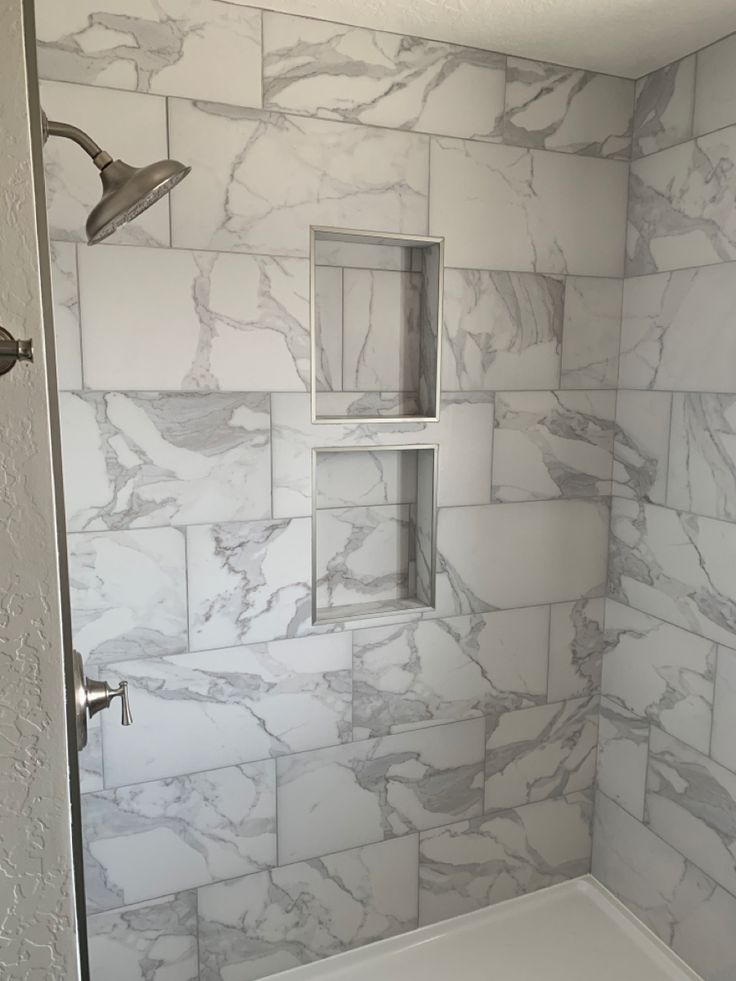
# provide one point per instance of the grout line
(79, 316)
(670, 436)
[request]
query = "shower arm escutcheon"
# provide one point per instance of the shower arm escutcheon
(12, 351)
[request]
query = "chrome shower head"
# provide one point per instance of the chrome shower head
(126, 191)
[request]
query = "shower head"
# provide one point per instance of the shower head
(126, 191)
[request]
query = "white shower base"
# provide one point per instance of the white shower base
(576, 931)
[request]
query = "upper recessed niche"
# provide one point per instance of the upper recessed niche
(376, 310)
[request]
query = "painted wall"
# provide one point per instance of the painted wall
(665, 838)
(286, 793)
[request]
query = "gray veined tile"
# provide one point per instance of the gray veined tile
(316, 68)
(536, 753)
(248, 582)
(691, 803)
(715, 103)
(489, 859)
(576, 645)
(90, 758)
(641, 445)
(723, 745)
(275, 175)
(412, 675)
(377, 789)
(676, 566)
(66, 315)
(202, 49)
(567, 109)
(663, 114)
(549, 445)
(592, 328)
(623, 747)
(128, 593)
(328, 308)
(229, 706)
(296, 914)
(154, 941)
(365, 478)
(151, 839)
(505, 207)
(702, 471)
(135, 460)
(660, 673)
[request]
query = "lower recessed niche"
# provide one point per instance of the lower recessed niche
(373, 531)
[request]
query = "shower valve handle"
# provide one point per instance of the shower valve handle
(100, 695)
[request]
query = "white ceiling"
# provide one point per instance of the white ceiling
(622, 37)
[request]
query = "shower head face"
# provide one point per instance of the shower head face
(128, 191)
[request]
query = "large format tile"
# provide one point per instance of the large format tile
(332, 71)
(501, 330)
(510, 555)
(623, 747)
(715, 102)
(136, 460)
(248, 581)
(296, 914)
(229, 706)
(576, 644)
(129, 126)
(702, 470)
(536, 753)
(202, 49)
(691, 188)
(550, 445)
(567, 109)
(128, 593)
(486, 860)
(155, 941)
(673, 323)
(676, 566)
(690, 803)
(723, 743)
(273, 176)
(592, 329)
(66, 315)
(641, 444)
(414, 674)
(155, 838)
(663, 114)
(204, 320)
(660, 672)
(501, 207)
(367, 791)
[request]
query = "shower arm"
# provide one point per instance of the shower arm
(100, 157)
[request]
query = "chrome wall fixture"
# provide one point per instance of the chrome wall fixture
(12, 351)
(91, 697)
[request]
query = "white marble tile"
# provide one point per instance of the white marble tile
(676, 566)
(576, 644)
(463, 434)
(501, 330)
(723, 744)
(66, 315)
(660, 673)
(365, 478)
(90, 758)
(248, 582)
(128, 593)
(414, 674)
(137, 460)
(691, 188)
(672, 323)
(328, 304)
(549, 445)
(536, 753)
(623, 747)
(316, 68)
(203, 320)
(367, 791)
(567, 109)
(296, 914)
(131, 127)
(531, 553)
(592, 328)
(502, 207)
(663, 114)
(217, 708)
(155, 941)
(273, 176)
(690, 803)
(352, 254)
(641, 445)
(155, 838)
(201, 49)
(702, 469)
(486, 860)
(715, 102)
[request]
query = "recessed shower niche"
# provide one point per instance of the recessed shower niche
(373, 531)
(376, 310)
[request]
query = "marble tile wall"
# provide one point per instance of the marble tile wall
(288, 791)
(666, 779)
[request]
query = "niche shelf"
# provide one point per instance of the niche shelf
(373, 531)
(375, 322)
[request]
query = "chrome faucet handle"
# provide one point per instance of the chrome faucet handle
(100, 694)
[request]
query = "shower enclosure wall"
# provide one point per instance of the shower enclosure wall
(290, 790)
